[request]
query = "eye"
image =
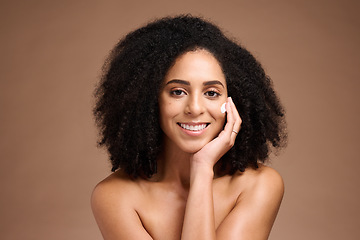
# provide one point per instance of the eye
(177, 92)
(212, 94)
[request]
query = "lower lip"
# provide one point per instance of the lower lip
(193, 133)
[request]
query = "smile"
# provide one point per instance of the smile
(193, 127)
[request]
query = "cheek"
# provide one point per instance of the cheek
(170, 107)
(215, 111)
(221, 119)
(218, 124)
(168, 110)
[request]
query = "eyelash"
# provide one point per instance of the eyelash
(214, 92)
(172, 92)
(179, 92)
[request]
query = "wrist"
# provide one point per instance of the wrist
(200, 170)
(202, 161)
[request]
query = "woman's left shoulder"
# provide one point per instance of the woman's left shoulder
(261, 181)
(263, 173)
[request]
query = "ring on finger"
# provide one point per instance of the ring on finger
(235, 132)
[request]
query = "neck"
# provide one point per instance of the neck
(174, 165)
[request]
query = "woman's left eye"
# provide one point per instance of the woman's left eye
(212, 94)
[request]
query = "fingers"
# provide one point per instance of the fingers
(236, 116)
(233, 121)
(226, 139)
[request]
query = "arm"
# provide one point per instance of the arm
(256, 207)
(199, 221)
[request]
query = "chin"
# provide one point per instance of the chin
(192, 150)
(192, 147)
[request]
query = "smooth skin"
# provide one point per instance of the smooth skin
(185, 199)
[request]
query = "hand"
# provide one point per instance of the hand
(215, 149)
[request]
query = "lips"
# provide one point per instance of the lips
(193, 126)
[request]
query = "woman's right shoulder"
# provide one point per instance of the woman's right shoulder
(116, 191)
(115, 202)
(117, 185)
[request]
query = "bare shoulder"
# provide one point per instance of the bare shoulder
(114, 202)
(110, 191)
(261, 181)
(259, 193)
(113, 187)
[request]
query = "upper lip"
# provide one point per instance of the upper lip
(193, 123)
(194, 126)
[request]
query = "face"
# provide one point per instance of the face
(190, 101)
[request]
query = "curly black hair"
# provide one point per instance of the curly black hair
(127, 111)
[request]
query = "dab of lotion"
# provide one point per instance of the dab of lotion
(223, 108)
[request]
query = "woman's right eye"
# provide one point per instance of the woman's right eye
(177, 92)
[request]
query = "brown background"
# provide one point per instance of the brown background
(51, 53)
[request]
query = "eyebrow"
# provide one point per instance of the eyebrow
(178, 81)
(213, 82)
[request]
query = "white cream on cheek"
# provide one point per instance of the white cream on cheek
(223, 108)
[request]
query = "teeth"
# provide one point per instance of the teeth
(193, 127)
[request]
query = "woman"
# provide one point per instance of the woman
(184, 168)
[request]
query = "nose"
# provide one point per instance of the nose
(194, 105)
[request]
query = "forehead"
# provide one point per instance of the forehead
(198, 65)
